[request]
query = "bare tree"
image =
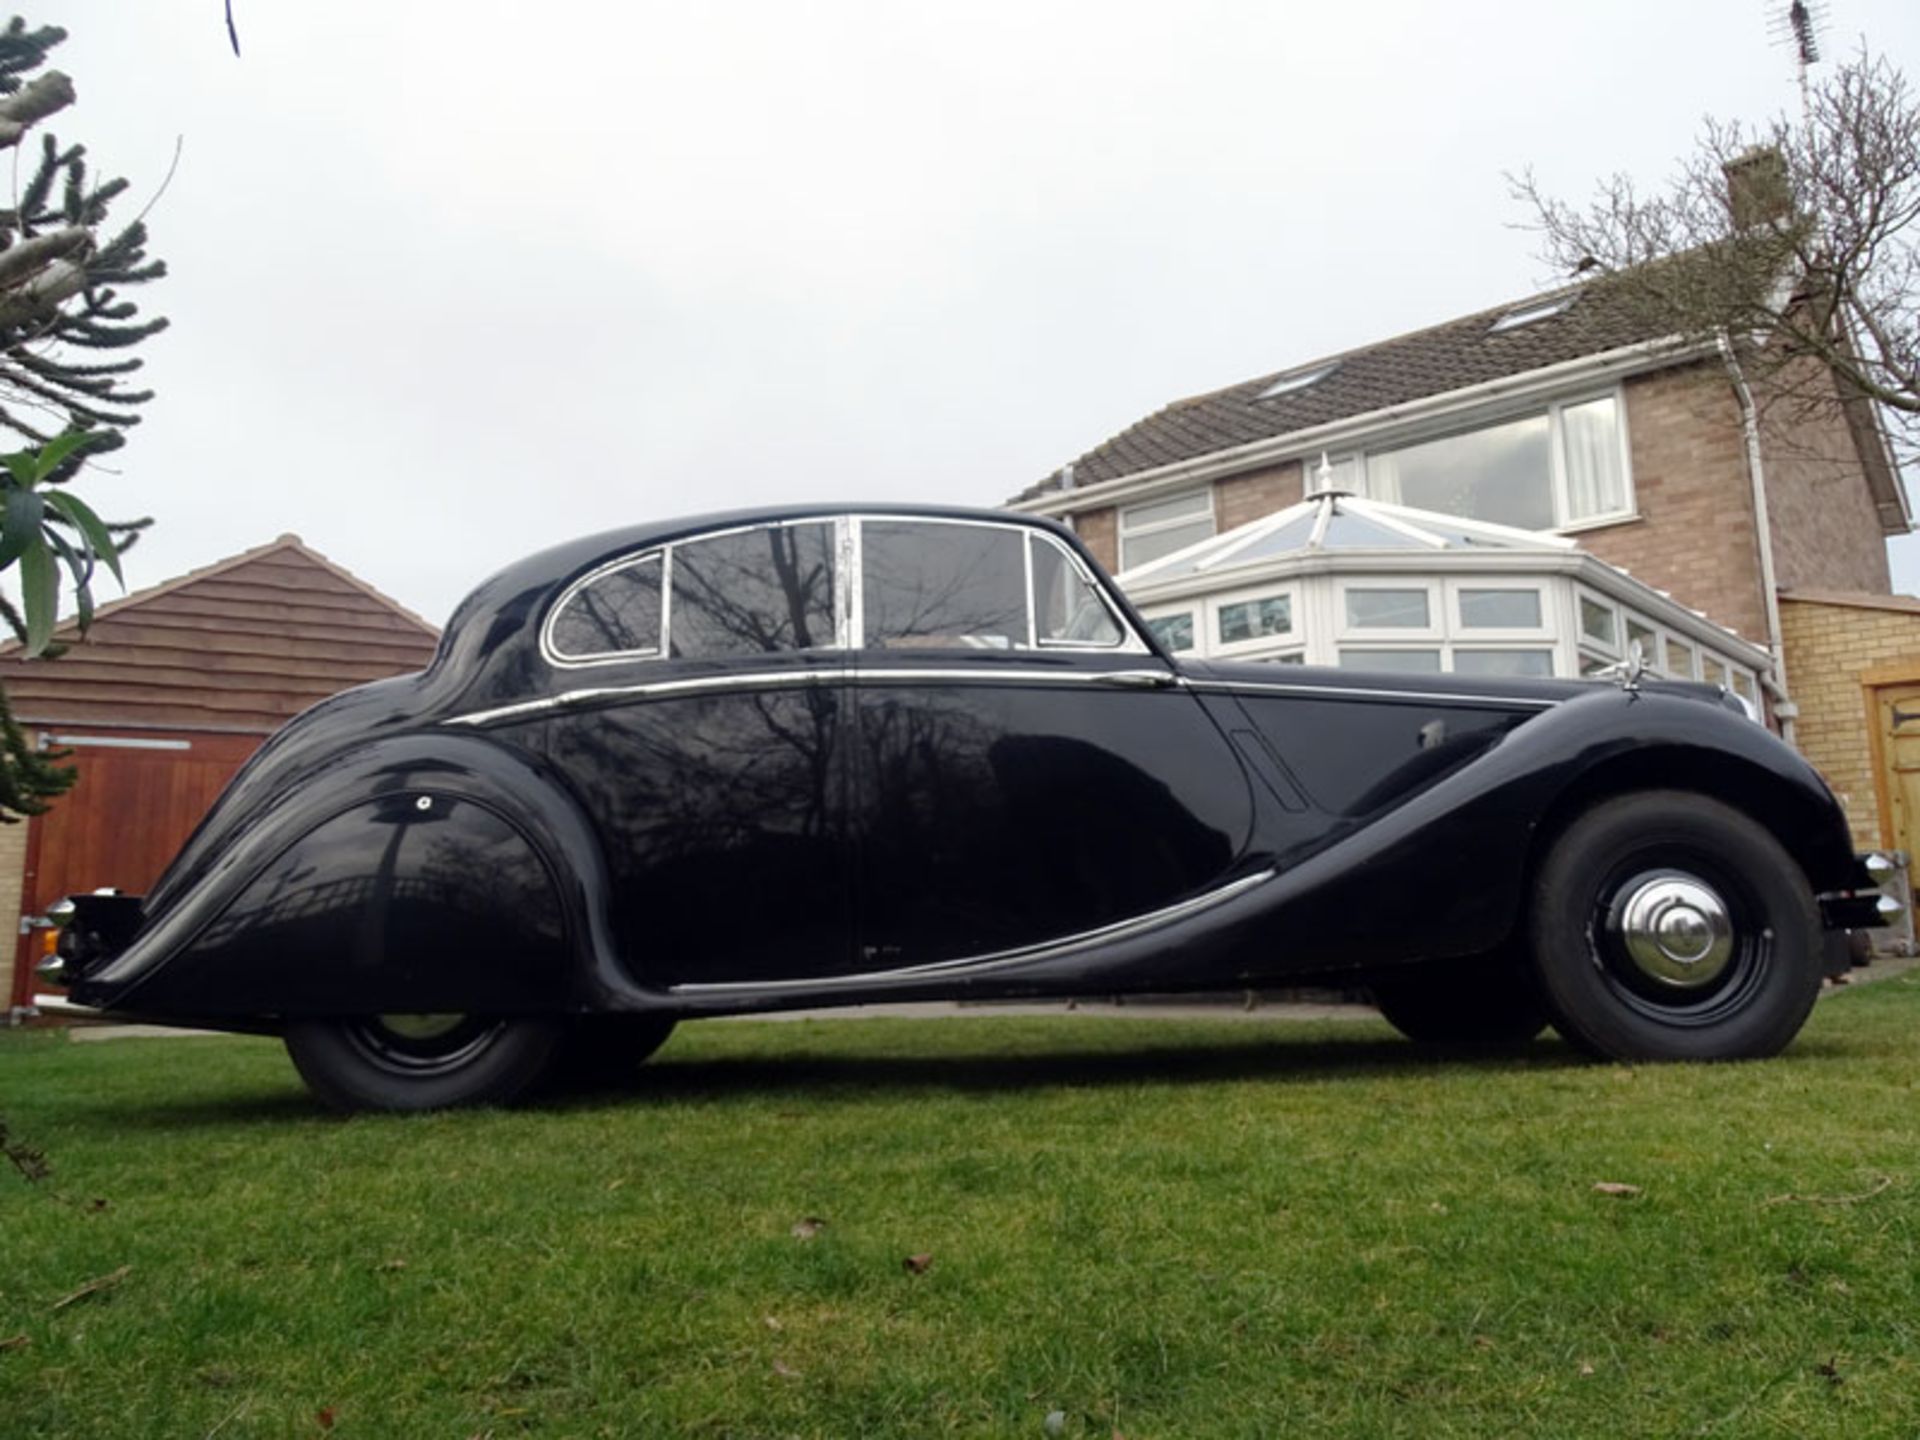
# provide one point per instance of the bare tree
(1798, 241)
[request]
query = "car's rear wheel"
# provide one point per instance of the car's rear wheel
(1485, 1002)
(421, 1062)
(1668, 926)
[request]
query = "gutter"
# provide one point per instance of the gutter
(1143, 484)
(1784, 709)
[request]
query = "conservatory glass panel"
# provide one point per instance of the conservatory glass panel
(1255, 619)
(1421, 662)
(1503, 662)
(1596, 622)
(1379, 609)
(1499, 609)
(1173, 631)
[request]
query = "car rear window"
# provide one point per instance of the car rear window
(615, 613)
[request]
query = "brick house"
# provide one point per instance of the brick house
(170, 693)
(1556, 415)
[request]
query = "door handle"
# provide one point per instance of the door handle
(1135, 679)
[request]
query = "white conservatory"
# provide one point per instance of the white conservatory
(1339, 580)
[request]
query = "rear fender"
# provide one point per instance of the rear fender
(415, 874)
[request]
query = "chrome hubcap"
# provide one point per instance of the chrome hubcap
(1674, 928)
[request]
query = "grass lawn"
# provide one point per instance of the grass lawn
(1209, 1229)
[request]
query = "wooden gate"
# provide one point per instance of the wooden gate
(138, 797)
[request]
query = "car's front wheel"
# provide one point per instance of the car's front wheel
(421, 1062)
(1668, 926)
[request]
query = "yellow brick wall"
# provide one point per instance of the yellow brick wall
(1829, 647)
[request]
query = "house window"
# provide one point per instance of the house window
(1597, 622)
(1503, 609)
(1532, 311)
(1411, 662)
(1530, 661)
(1384, 609)
(1160, 527)
(1679, 660)
(1562, 467)
(1244, 620)
(1298, 380)
(1648, 639)
(1502, 473)
(1173, 631)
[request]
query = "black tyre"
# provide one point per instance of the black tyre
(1667, 926)
(421, 1062)
(1481, 1003)
(605, 1051)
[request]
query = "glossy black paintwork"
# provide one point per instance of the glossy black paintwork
(803, 828)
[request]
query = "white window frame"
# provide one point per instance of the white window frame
(1563, 524)
(1539, 644)
(1388, 637)
(1123, 532)
(1481, 637)
(1614, 608)
(1294, 637)
(1196, 612)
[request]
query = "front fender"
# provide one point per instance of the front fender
(415, 873)
(1446, 873)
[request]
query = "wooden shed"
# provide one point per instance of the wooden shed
(171, 691)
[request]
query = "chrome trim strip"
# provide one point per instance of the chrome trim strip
(764, 679)
(1229, 687)
(975, 964)
(902, 675)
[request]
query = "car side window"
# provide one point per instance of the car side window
(929, 585)
(753, 592)
(615, 613)
(1068, 610)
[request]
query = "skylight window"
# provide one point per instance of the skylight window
(1530, 313)
(1299, 380)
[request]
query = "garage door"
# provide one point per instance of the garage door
(138, 797)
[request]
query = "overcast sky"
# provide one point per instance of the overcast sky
(451, 281)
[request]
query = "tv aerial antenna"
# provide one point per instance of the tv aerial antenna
(1796, 25)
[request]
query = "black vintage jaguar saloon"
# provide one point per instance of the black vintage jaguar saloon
(815, 757)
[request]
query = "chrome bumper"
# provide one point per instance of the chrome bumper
(59, 1007)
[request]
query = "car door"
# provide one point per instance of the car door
(1028, 770)
(714, 765)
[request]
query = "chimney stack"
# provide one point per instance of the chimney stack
(1757, 188)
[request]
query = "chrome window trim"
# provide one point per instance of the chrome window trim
(553, 657)
(1129, 643)
(552, 654)
(999, 959)
(848, 587)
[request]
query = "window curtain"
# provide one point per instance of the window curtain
(1596, 478)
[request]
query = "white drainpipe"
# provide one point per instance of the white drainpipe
(1783, 707)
